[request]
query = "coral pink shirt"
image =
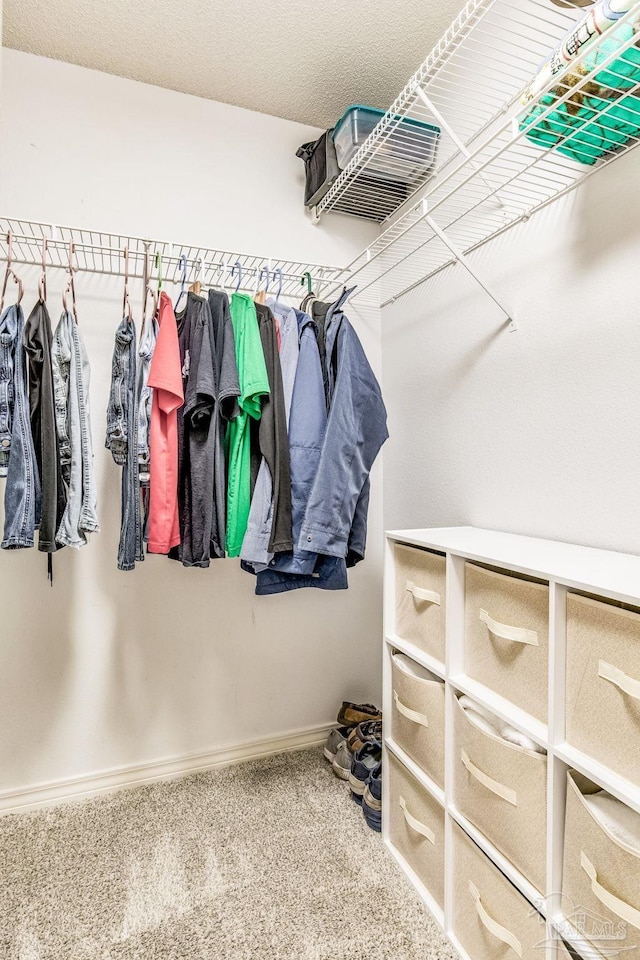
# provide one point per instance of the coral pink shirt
(165, 376)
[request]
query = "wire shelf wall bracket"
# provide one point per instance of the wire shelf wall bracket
(464, 262)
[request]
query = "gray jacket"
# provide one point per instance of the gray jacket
(255, 547)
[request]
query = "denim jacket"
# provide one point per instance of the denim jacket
(122, 441)
(37, 347)
(71, 377)
(22, 495)
(144, 394)
(330, 458)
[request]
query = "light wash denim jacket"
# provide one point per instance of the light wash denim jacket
(71, 378)
(22, 495)
(144, 395)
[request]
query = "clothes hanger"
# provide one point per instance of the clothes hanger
(221, 276)
(158, 266)
(42, 282)
(309, 296)
(237, 266)
(9, 272)
(183, 281)
(148, 291)
(70, 287)
(278, 272)
(196, 286)
(126, 303)
(261, 295)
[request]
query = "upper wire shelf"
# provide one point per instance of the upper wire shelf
(472, 76)
(500, 177)
(103, 253)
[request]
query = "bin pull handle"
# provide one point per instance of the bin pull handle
(505, 632)
(621, 909)
(501, 933)
(410, 714)
(415, 825)
(429, 596)
(505, 793)
(619, 679)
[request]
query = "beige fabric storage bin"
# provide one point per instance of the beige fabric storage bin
(416, 827)
(507, 637)
(603, 683)
(420, 598)
(601, 876)
(501, 788)
(491, 919)
(417, 715)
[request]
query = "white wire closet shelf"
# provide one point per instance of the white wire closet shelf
(472, 76)
(103, 253)
(488, 175)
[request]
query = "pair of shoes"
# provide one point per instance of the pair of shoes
(342, 761)
(351, 714)
(364, 762)
(364, 733)
(372, 799)
(337, 736)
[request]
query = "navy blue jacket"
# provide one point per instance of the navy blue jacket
(330, 482)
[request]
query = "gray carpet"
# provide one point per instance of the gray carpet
(269, 860)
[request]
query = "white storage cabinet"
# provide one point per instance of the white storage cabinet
(545, 637)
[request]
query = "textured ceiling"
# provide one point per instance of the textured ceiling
(300, 59)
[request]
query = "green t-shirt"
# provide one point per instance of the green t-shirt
(254, 384)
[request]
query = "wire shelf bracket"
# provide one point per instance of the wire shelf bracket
(464, 262)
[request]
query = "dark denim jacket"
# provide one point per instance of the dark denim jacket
(122, 441)
(331, 482)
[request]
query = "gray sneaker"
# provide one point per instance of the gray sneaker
(342, 762)
(337, 736)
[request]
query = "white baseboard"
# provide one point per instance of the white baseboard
(44, 794)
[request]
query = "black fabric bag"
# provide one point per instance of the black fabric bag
(321, 166)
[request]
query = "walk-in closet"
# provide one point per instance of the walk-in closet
(319, 498)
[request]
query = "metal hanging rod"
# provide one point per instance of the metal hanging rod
(103, 253)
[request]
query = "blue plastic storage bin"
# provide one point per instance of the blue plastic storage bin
(404, 155)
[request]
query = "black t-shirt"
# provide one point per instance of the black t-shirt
(196, 436)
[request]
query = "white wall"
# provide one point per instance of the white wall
(538, 431)
(107, 668)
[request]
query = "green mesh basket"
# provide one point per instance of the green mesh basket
(599, 124)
